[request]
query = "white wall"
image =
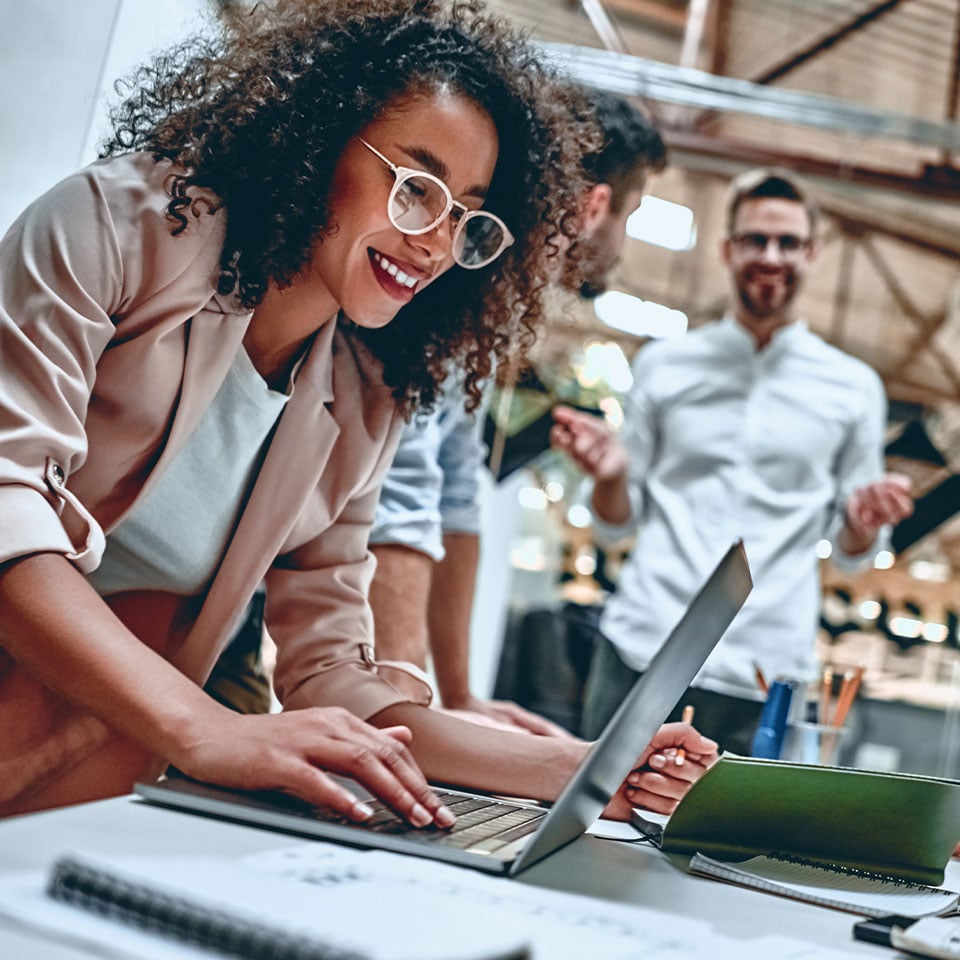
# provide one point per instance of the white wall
(58, 61)
(500, 519)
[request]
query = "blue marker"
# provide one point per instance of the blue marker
(768, 739)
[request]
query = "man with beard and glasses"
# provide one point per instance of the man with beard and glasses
(752, 427)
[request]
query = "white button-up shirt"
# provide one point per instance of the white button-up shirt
(726, 441)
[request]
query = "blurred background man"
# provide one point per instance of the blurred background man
(749, 427)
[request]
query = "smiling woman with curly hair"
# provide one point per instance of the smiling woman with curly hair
(261, 116)
(209, 338)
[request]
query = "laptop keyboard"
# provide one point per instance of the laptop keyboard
(483, 825)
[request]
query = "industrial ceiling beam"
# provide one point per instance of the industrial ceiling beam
(651, 79)
(697, 13)
(719, 37)
(826, 42)
(772, 74)
(672, 19)
(608, 32)
(953, 94)
(695, 149)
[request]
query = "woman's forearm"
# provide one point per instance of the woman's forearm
(60, 631)
(454, 751)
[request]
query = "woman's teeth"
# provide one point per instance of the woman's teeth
(395, 272)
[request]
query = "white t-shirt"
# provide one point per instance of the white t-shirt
(175, 537)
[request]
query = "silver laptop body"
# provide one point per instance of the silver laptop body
(493, 835)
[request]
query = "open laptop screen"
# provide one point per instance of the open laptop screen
(645, 707)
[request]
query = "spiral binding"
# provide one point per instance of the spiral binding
(851, 871)
(135, 904)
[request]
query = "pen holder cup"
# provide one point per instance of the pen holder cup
(817, 743)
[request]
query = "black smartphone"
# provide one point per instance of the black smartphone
(877, 929)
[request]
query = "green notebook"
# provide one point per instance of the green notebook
(878, 824)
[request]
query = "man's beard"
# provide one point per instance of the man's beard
(596, 272)
(592, 287)
(764, 309)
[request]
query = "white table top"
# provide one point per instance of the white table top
(632, 874)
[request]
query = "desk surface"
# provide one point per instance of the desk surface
(615, 871)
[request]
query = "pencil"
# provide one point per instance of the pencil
(826, 688)
(851, 684)
(685, 717)
(761, 679)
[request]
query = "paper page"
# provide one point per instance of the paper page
(614, 830)
(814, 884)
(398, 906)
(560, 926)
(937, 937)
(787, 948)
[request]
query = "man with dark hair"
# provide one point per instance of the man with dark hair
(631, 152)
(426, 536)
(750, 427)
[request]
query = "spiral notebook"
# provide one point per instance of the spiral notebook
(836, 886)
(186, 907)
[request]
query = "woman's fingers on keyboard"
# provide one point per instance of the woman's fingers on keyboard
(380, 760)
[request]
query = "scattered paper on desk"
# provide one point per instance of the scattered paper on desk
(828, 887)
(397, 907)
(787, 948)
(937, 937)
(614, 830)
(559, 925)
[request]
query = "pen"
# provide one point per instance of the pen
(851, 684)
(685, 717)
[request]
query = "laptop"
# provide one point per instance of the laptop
(494, 835)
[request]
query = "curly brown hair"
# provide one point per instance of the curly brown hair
(261, 112)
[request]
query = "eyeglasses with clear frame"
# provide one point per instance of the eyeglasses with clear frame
(419, 202)
(791, 247)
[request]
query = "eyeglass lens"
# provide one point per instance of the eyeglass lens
(788, 244)
(479, 241)
(419, 203)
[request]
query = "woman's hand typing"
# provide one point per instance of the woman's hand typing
(296, 751)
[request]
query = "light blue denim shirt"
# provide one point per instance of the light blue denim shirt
(432, 487)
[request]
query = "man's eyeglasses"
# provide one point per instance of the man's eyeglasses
(419, 201)
(791, 247)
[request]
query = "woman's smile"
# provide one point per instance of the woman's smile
(398, 278)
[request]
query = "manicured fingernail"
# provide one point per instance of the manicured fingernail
(361, 811)
(634, 778)
(679, 759)
(419, 816)
(444, 817)
(658, 760)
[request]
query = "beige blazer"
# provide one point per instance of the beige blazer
(113, 342)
